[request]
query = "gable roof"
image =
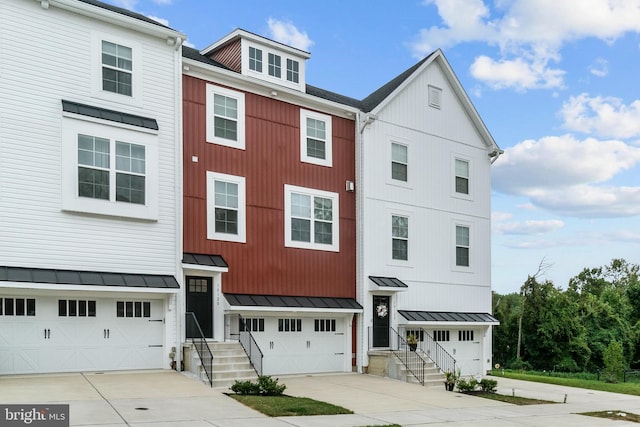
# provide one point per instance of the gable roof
(381, 97)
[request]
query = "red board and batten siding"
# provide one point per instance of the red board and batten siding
(263, 265)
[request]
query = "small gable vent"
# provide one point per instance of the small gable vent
(435, 97)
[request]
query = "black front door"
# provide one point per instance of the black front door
(381, 320)
(199, 301)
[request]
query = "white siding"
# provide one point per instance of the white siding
(434, 139)
(48, 60)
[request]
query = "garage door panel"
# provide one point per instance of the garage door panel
(304, 351)
(59, 340)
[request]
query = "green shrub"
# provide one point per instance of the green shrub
(488, 385)
(466, 385)
(266, 386)
(521, 365)
(245, 387)
(270, 387)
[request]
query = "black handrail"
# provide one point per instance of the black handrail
(434, 351)
(194, 332)
(250, 346)
(409, 358)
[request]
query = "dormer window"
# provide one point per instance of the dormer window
(293, 71)
(255, 59)
(275, 68)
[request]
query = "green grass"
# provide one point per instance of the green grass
(516, 400)
(631, 388)
(285, 406)
(614, 415)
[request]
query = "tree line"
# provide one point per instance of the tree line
(545, 327)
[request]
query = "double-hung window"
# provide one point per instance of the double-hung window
(275, 65)
(225, 117)
(226, 211)
(117, 68)
(462, 246)
(255, 59)
(315, 138)
(293, 71)
(399, 162)
(311, 219)
(462, 176)
(399, 237)
(96, 172)
(93, 167)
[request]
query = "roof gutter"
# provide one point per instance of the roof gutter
(173, 37)
(495, 154)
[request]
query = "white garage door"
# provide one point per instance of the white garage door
(303, 345)
(48, 334)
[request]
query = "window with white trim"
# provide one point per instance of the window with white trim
(399, 162)
(293, 71)
(255, 59)
(315, 138)
(226, 207)
(441, 335)
(17, 306)
(324, 325)
(251, 325)
(289, 325)
(117, 68)
(96, 174)
(225, 117)
(399, 237)
(462, 246)
(462, 176)
(76, 308)
(465, 335)
(275, 65)
(139, 309)
(311, 219)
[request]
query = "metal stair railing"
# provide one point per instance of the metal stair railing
(414, 363)
(434, 351)
(195, 334)
(250, 346)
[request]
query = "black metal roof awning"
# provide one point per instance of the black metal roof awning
(87, 278)
(292, 303)
(388, 282)
(204, 260)
(448, 317)
(111, 115)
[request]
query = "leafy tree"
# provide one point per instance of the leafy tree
(614, 362)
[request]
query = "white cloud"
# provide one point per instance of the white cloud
(528, 227)
(526, 32)
(287, 33)
(566, 175)
(500, 216)
(517, 74)
(600, 68)
(163, 2)
(607, 117)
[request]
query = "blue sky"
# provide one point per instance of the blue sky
(556, 82)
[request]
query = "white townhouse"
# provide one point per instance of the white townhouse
(90, 188)
(423, 219)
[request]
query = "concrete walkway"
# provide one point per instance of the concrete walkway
(167, 398)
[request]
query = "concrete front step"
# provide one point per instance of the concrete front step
(230, 363)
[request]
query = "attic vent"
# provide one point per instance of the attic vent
(435, 95)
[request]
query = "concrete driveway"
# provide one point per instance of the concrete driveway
(167, 398)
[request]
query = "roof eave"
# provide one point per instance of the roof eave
(260, 87)
(112, 17)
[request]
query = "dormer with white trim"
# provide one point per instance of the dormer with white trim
(256, 56)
